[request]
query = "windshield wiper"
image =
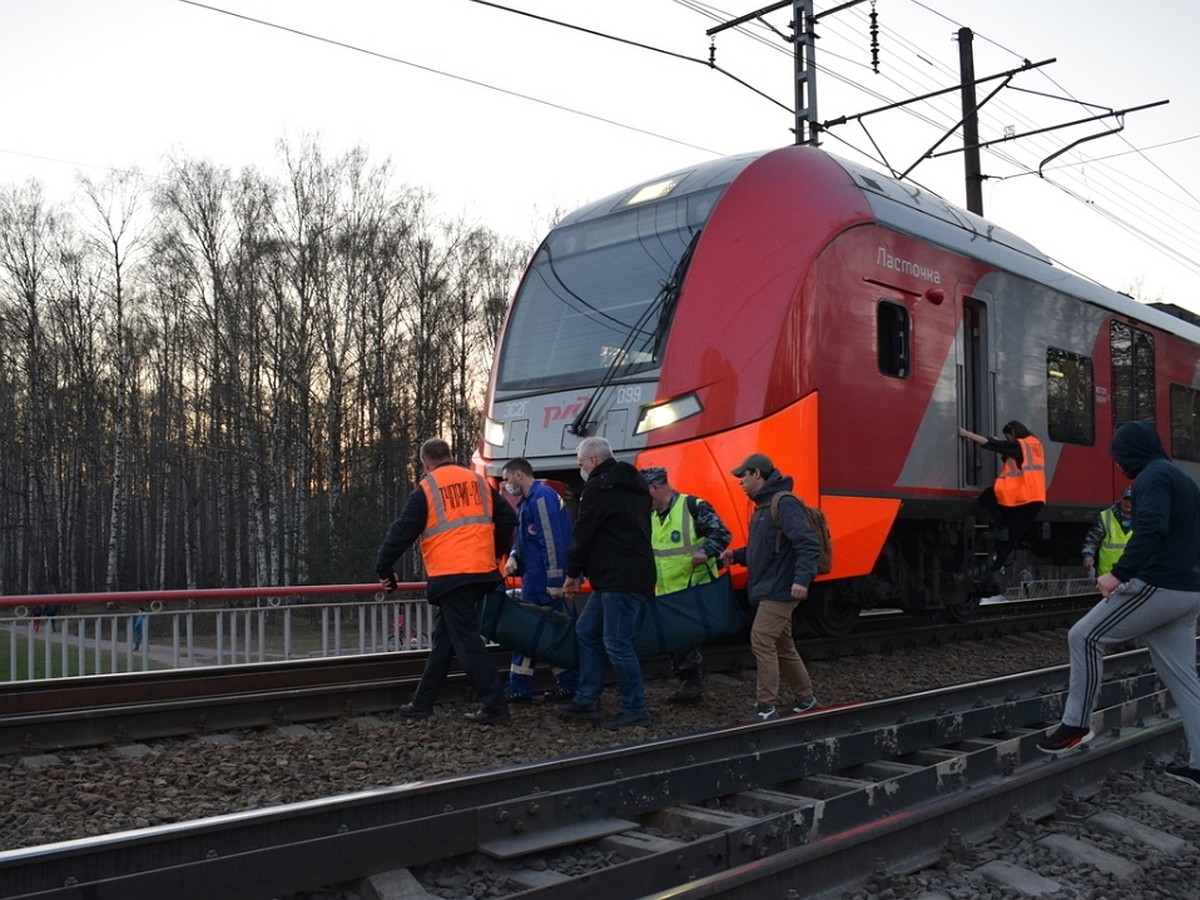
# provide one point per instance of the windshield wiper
(664, 306)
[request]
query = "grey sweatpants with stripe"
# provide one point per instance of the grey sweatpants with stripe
(1166, 621)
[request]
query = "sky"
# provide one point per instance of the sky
(509, 120)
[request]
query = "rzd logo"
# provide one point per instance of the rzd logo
(558, 413)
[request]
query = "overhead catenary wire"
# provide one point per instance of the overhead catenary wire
(446, 74)
(913, 67)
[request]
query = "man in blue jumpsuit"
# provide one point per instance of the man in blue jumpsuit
(539, 556)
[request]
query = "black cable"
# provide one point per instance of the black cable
(444, 74)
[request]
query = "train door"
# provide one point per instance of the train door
(975, 390)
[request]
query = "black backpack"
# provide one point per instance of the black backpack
(819, 525)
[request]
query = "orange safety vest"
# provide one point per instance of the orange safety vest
(1025, 483)
(459, 533)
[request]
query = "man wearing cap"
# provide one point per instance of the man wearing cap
(782, 561)
(688, 537)
(1106, 540)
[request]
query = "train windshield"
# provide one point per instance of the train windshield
(598, 298)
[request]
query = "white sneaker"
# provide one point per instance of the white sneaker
(765, 713)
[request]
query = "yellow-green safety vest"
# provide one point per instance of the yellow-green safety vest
(674, 540)
(1113, 545)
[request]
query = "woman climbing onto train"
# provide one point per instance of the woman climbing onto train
(1018, 493)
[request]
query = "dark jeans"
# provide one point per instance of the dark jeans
(605, 633)
(456, 633)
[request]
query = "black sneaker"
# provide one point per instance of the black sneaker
(803, 706)
(690, 691)
(1185, 774)
(484, 716)
(765, 713)
(625, 719)
(412, 711)
(555, 695)
(1064, 738)
(572, 710)
(514, 694)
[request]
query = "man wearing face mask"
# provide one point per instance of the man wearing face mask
(539, 556)
(612, 545)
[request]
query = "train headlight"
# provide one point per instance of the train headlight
(662, 414)
(493, 431)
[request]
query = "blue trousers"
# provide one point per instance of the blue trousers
(1166, 621)
(605, 633)
(520, 678)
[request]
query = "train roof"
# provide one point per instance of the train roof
(912, 210)
(909, 209)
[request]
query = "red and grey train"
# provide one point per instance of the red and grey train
(845, 324)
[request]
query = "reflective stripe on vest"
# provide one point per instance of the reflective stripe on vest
(674, 540)
(1113, 545)
(1026, 483)
(554, 568)
(459, 537)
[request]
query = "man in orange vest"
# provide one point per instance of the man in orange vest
(464, 527)
(1019, 491)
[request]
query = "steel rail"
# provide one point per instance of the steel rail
(53, 714)
(989, 726)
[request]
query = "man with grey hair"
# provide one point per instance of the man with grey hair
(611, 544)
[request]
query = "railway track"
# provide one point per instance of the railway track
(748, 811)
(61, 714)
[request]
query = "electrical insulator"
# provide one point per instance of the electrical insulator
(874, 38)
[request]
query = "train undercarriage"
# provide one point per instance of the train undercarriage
(940, 567)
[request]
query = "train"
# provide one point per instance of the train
(844, 323)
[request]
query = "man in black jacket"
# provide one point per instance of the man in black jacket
(611, 544)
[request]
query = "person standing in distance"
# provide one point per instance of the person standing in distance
(782, 562)
(1152, 592)
(460, 522)
(688, 537)
(1107, 538)
(612, 545)
(539, 556)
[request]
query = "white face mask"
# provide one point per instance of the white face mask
(583, 473)
(511, 488)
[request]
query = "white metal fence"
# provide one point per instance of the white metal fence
(43, 643)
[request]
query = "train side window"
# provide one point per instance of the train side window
(893, 331)
(1185, 423)
(1070, 397)
(1132, 374)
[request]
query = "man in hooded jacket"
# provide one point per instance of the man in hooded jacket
(1152, 592)
(782, 562)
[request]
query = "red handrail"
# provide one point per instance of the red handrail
(201, 594)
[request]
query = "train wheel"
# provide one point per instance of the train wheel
(831, 611)
(963, 610)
